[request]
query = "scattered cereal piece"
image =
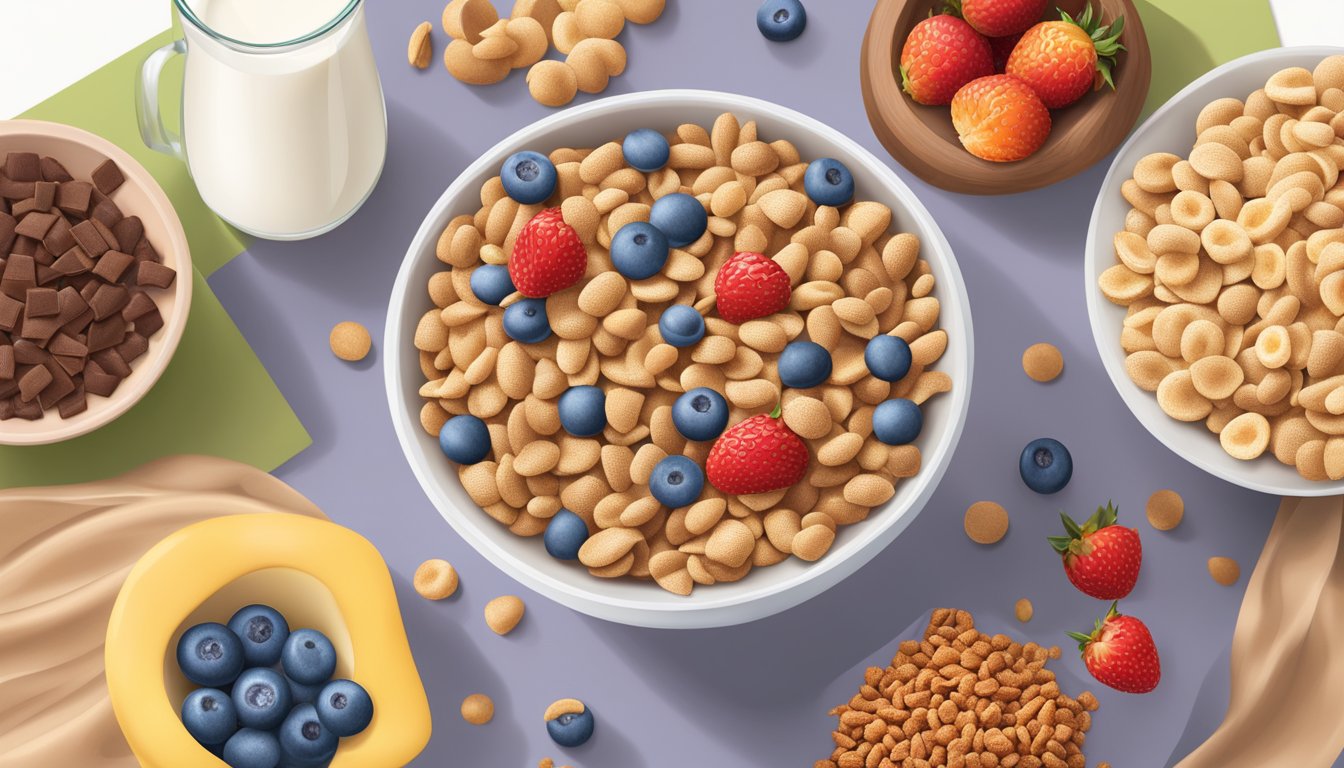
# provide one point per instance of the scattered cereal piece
(1042, 362)
(1024, 610)
(552, 83)
(503, 614)
(986, 522)
(546, 762)
(420, 51)
(1224, 570)
(350, 341)
(461, 61)
(1166, 508)
(478, 709)
(569, 722)
(436, 579)
(466, 19)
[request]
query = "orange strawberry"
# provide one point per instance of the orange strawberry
(1000, 118)
(999, 18)
(1062, 60)
(941, 54)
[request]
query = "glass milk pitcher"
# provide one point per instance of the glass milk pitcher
(283, 124)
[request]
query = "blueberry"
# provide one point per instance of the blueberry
(639, 250)
(529, 177)
(525, 321)
(309, 657)
(263, 631)
(828, 182)
(303, 694)
(700, 414)
(887, 357)
(681, 325)
(583, 411)
(781, 20)
(804, 364)
(897, 422)
(262, 698)
(210, 655)
(465, 439)
(676, 481)
(572, 729)
(681, 217)
(1046, 465)
(645, 150)
(344, 707)
(251, 748)
(209, 716)
(491, 283)
(304, 739)
(564, 535)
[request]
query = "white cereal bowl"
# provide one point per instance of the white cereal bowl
(1172, 129)
(767, 590)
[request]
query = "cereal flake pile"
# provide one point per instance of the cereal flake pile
(845, 279)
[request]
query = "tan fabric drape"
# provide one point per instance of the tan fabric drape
(1287, 657)
(64, 552)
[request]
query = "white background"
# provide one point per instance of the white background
(54, 43)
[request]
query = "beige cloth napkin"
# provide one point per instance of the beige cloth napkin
(1287, 661)
(64, 552)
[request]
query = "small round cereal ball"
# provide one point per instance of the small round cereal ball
(465, 439)
(503, 614)
(681, 217)
(1165, 509)
(436, 579)
(898, 422)
(804, 364)
(350, 341)
(645, 150)
(1042, 362)
(565, 535)
(828, 182)
(986, 522)
(478, 709)
(528, 177)
(888, 357)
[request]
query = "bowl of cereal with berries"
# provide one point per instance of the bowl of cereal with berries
(1215, 272)
(662, 357)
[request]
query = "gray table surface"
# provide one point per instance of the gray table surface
(755, 694)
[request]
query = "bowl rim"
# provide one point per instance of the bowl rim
(1106, 336)
(702, 611)
(178, 250)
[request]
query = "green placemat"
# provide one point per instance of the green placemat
(1189, 37)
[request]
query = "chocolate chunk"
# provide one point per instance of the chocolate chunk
(73, 262)
(16, 190)
(72, 304)
(52, 170)
(46, 276)
(23, 207)
(33, 382)
(105, 232)
(9, 389)
(87, 237)
(113, 265)
(106, 212)
(44, 192)
(35, 224)
(72, 365)
(58, 239)
(109, 300)
(7, 362)
(28, 353)
(6, 409)
(74, 403)
(105, 334)
(139, 306)
(66, 345)
(28, 411)
(73, 197)
(99, 382)
(24, 246)
(111, 361)
(150, 324)
(133, 347)
(107, 177)
(41, 255)
(144, 251)
(7, 226)
(60, 386)
(88, 289)
(41, 302)
(40, 329)
(154, 275)
(20, 275)
(23, 166)
(10, 311)
(128, 231)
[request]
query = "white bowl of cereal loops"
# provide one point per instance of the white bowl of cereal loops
(637, 535)
(1213, 307)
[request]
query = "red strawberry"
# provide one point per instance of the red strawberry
(1000, 119)
(1120, 653)
(1102, 559)
(1062, 60)
(941, 54)
(757, 455)
(751, 285)
(999, 18)
(1001, 48)
(547, 257)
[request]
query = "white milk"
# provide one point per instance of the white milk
(282, 143)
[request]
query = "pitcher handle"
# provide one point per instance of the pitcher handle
(152, 130)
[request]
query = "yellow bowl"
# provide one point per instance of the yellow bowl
(317, 574)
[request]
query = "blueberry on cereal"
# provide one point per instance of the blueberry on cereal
(210, 655)
(304, 740)
(529, 177)
(252, 748)
(646, 150)
(569, 722)
(828, 182)
(781, 20)
(676, 482)
(263, 632)
(208, 715)
(804, 364)
(639, 250)
(525, 321)
(583, 411)
(465, 439)
(681, 217)
(344, 707)
(887, 357)
(681, 325)
(309, 657)
(898, 422)
(261, 697)
(700, 414)
(1046, 465)
(565, 534)
(491, 283)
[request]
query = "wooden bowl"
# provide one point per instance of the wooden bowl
(922, 137)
